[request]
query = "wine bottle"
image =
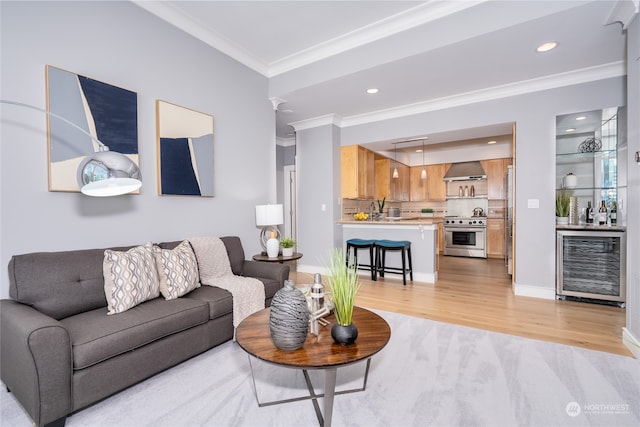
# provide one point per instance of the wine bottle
(602, 214)
(589, 213)
(614, 213)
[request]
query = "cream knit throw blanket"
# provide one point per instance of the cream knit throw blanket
(215, 270)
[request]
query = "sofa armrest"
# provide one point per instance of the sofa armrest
(267, 270)
(36, 361)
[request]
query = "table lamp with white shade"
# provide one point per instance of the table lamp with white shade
(269, 217)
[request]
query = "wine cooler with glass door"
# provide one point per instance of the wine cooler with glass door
(591, 265)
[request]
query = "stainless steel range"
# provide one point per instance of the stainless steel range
(465, 236)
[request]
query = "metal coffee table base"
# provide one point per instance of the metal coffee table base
(329, 392)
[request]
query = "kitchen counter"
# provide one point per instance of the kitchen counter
(421, 232)
(404, 221)
(591, 227)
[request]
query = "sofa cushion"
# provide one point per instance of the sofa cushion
(219, 300)
(59, 284)
(129, 278)
(178, 270)
(96, 337)
(235, 252)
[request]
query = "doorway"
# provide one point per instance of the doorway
(289, 202)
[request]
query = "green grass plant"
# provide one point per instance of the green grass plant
(562, 203)
(343, 285)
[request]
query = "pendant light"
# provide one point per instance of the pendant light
(423, 174)
(395, 166)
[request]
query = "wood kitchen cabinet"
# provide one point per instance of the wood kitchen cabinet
(418, 191)
(495, 237)
(358, 170)
(431, 189)
(496, 182)
(436, 187)
(394, 189)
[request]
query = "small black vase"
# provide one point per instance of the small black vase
(344, 335)
(289, 318)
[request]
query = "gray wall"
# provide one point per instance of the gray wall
(318, 180)
(123, 45)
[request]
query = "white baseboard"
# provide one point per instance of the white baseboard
(632, 343)
(418, 277)
(534, 291)
(311, 269)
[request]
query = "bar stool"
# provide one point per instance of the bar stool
(404, 246)
(362, 244)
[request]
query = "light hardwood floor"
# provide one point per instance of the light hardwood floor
(477, 293)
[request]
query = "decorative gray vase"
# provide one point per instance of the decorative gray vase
(289, 318)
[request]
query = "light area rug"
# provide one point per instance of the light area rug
(430, 374)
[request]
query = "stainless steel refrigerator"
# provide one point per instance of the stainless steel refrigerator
(508, 235)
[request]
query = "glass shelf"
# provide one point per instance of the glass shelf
(588, 189)
(574, 158)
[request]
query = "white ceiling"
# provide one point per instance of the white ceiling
(321, 56)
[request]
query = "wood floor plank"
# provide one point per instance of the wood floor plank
(477, 293)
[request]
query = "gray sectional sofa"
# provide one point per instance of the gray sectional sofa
(61, 352)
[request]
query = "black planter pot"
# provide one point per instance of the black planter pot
(344, 335)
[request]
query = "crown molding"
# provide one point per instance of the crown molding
(389, 26)
(381, 29)
(329, 119)
(614, 69)
(175, 17)
(585, 75)
(623, 11)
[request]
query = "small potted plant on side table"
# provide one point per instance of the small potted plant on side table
(343, 287)
(287, 245)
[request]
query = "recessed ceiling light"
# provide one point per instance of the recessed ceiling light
(570, 130)
(581, 118)
(546, 46)
(372, 90)
(491, 142)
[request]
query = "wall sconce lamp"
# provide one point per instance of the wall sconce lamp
(269, 217)
(103, 173)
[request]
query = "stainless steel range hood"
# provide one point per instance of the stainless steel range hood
(465, 171)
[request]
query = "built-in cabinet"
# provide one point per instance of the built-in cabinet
(590, 166)
(496, 170)
(495, 237)
(433, 188)
(386, 186)
(357, 168)
(591, 157)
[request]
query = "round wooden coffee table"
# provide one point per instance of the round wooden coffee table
(318, 352)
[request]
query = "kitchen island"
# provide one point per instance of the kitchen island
(421, 232)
